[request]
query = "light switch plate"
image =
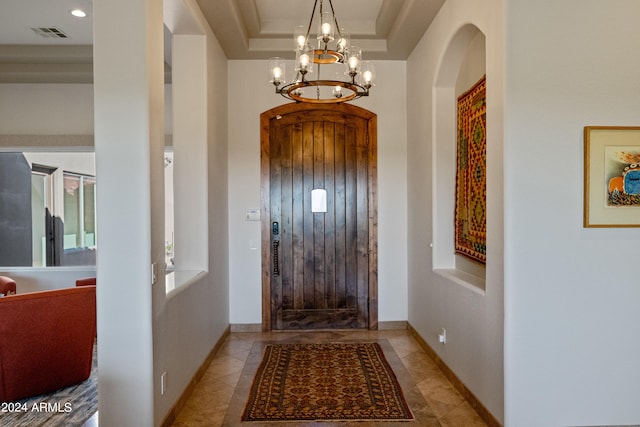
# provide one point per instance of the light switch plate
(252, 215)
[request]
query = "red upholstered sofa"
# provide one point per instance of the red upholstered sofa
(46, 341)
(86, 281)
(7, 286)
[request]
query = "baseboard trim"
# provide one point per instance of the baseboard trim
(393, 325)
(170, 418)
(475, 403)
(246, 327)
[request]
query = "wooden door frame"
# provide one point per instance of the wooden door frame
(372, 184)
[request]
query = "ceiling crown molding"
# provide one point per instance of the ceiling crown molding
(393, 28)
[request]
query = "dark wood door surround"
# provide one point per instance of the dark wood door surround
(319, 269)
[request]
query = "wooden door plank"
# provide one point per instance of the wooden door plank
(319, 301)
(362, 209)
(307, 216)
(297, 225)
(340, 219)
(331, 133)
(267, 132)
(286, 205)
(351, 217)
(372, 164)
(276, 197)
(328, 319)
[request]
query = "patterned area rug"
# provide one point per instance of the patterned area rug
(325, 382)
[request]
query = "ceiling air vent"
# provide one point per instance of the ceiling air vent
(50, 32)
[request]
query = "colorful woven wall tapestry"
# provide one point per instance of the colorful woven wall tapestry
(471, 173)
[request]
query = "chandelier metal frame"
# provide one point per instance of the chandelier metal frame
(344, 53)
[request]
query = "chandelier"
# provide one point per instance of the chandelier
(340, 73)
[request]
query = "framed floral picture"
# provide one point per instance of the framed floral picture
(611, 176)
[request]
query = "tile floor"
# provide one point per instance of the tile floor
(219, 398)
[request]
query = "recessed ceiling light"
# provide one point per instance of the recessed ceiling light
(78, 13)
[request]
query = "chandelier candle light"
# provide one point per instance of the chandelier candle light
(352, 77)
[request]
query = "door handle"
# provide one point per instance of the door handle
(275, 228)
(276, 262)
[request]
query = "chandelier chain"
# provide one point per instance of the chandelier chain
(313, 12)
(333, 13)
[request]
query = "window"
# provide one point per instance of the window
(47, 201)
(79, 212)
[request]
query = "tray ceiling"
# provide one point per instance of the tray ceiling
(32, 50)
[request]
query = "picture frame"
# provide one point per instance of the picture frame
(611, 176)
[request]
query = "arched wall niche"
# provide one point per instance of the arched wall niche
(462, 64)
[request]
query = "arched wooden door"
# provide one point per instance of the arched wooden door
(319, 261)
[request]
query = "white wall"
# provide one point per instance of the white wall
(472, 317)
(572, 335)
(128, 118)
(250, 94)
(188, 322)
(60, 109)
